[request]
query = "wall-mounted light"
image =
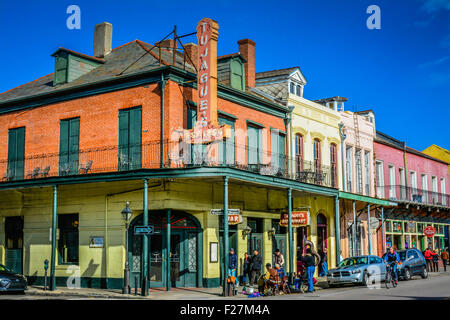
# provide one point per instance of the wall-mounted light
(246, 232)
(271, 232)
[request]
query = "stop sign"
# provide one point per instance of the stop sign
(429, 231)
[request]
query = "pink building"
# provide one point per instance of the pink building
(417, 182)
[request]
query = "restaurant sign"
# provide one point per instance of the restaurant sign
(299, 219)
(429, 231)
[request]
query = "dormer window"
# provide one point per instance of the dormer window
(292, 89)
(299, 91)
(230, 71)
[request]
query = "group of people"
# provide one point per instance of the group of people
(432, 259)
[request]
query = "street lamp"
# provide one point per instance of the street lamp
(126, 214)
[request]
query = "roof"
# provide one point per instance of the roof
(232, 55)
(132, 57)
(335, 98)
(274, 73)
(392, 142)
(85, 56)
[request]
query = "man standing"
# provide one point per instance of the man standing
(279, 259)
(444, 257)
(429, 259)
(310, 263)
(256, 267)
(232, 264)
(324, 260)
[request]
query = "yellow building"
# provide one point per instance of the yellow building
(439, 153)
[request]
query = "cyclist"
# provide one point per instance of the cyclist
(392, 258)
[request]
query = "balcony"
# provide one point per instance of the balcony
(402, 193)
(176, 155)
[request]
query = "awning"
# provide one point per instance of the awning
(359, 197)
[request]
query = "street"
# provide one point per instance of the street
(435, 287)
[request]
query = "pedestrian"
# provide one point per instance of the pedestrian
(435, 261)
(310, 263)
(232, 265)
(444, 257)
(323, 263)
(256, 263)
(279, 259)
(247, 272)
(429, 259)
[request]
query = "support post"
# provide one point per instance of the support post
(145, 243)
(337, 231)
(225, 235)
(163, 86)
(54, 223)
(369, 233)
(382, 230)
(168, 285)
(354, 229)
(291, 239)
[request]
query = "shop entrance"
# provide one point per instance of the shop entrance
(322, 235)
(14, 243)
(255, 238)
(302, 236)
(183, 257)
(279, 241)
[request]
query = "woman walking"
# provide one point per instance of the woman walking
(435, 261)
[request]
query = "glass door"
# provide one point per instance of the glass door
(176, 259)
(157, 264)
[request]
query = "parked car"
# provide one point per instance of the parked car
(412, 263)
(10, 281)
(357, 270)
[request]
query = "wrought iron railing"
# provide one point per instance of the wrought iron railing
(403, 193)
(176, 155)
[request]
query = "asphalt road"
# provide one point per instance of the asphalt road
(436, 287)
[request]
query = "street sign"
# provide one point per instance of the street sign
(373, 223)
(219, 212)
(429, 231)
(141, 230)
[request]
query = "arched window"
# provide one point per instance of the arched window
(333, 164)
(322, 234)
(317, 155)
(299, 152)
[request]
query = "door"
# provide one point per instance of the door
(279, 242)
(14, 243)
(232, 243)
(256, 242)
(157, 261)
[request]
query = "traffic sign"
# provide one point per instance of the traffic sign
(141, 230)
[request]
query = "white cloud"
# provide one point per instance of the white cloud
(432, 6)
(433, 63)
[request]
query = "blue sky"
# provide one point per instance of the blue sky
(401, 71)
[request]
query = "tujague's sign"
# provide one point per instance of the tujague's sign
(429, 231)
(299, 219)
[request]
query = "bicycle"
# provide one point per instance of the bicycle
(390, 277)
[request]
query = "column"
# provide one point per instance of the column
(354, 230)
(225, 235)
(168, 285)
(369, 233)
(54, 223)
(145, 282)
(291, 240)
(337, 228)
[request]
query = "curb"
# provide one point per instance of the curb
(40, 292)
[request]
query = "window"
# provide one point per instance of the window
(226, 148)
(317, 155)
(348, 161)
(282, 152)
(299, 152)
(359, 185)
(434, 186)
(401, 176)
(443, 194)
(413, 182)
(367, 171)
(299, 91)
(424, 188)
(392, 193)
(68, 238)
(254, 144)
(333, 164)
(380, 179)
(130, 124)
(69, 131)
(237, 74)
(292, 88)
(16, 153)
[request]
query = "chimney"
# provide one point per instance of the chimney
(102, 39)
(191, 49)
(247, 50)
(166, 44)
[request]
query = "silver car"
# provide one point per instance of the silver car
(357, 270)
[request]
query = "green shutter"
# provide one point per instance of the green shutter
(74, 133)
(63, 146)
(69, 132)
(130, 128)
(237, 74)
(281, 152)
(16, 153)
(135, 138)
(226, 148)
(253, 138)
(274, 148)
(191, 118)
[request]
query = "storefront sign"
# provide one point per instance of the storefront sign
(141, 230)
(207, 34)
(299, 219)
(429, 231)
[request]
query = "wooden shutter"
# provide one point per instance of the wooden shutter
(226, 148)
(74, 133)
(135, 137)
(16, 152)
(123, 154)
(281, 152)
(69, 132)
(252, 145)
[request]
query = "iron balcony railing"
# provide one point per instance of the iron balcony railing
(403, 193)
(176, 155)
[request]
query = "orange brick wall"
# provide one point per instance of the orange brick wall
(99, 124)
